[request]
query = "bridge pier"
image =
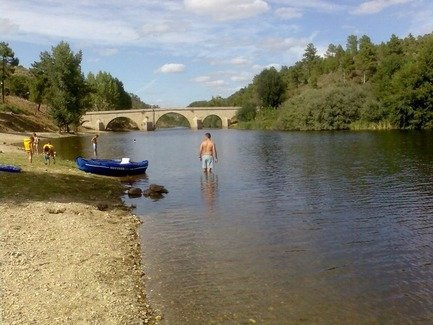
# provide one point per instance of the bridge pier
(197, 124)
(147, 126)
(225, 123)
(99, 126)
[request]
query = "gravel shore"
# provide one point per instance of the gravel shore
(62, 260)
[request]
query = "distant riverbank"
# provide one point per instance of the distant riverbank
(69, 248)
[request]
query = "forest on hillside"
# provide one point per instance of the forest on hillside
(360, 86)
(56, 80)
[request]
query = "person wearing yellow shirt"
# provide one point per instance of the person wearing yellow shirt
(28, 147)
(49, 153)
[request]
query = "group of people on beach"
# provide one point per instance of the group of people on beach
(31, 146)
(207, 152)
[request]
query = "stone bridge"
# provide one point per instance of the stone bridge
(146, 119)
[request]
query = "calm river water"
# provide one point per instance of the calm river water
(291, 227)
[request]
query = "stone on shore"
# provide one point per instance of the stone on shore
(102, 206)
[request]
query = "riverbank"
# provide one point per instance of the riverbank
(286, 119)
(69, 248)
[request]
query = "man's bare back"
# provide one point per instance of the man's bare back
(207, 148)
(207, 153)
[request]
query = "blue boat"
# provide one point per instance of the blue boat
(108, 167)
(10, 168)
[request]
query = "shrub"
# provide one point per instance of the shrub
(247, 112)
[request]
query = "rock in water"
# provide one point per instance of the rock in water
(157, 188)
(134, 192)
(156, 196)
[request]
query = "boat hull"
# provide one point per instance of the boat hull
(10, 169)
(111, 167)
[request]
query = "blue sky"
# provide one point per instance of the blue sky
(171, 52)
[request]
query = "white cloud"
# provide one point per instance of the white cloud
(54, 23)
(109, 51)
(285, 44)
(240, 78)
(210, 81)
(273, 65)
(222, 10)
(239, 61)
(218, 82)
(320, 5)
(7, 26)
(202, 79)
(288, 12)
(172, 68)
(375, 6)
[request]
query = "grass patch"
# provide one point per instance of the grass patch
(61, 182)
(362, 125)
(10, 108)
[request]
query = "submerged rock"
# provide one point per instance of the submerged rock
(155, 191)
(134, 192)
(157, 188)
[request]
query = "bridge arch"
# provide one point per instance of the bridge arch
(121, 123)
(212, 121)
(172, 119)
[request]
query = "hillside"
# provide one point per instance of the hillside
(21, 115)
(362, 86)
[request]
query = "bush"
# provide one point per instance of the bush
(247, 112)
(333, 108)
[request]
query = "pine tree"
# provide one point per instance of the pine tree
(8, 64)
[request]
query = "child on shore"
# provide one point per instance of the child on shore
(28, 147)
(35, 143)
(49, 153)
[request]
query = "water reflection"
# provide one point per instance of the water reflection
(209, 189)
(305, 227)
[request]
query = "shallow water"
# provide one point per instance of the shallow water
(290, 227)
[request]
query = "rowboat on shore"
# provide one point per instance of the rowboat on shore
(109, 167)
(10, 168)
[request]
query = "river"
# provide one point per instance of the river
(314, 227)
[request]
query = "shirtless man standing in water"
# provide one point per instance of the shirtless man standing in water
(207, 153)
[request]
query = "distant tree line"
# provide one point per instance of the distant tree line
(56, 80)
(363, 85)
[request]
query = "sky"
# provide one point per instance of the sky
(173, 52)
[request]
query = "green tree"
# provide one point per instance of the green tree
(366, 57)
(348, 59)
(107, 92)
(412, 91)
(19, 85)
(311, 63)
(8, 64)
(352, 45)
(66, 90)
(137, 103)
(391, 62)
(270, 88)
